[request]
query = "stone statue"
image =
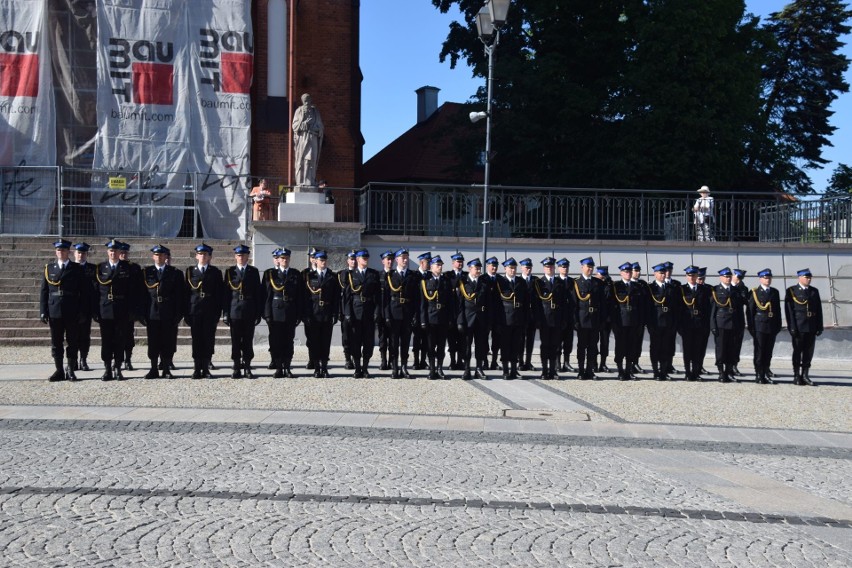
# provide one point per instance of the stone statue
(307, 139)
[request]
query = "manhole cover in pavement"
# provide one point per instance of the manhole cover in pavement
(558, 415)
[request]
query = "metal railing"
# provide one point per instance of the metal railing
(574, 213)
(72, 201)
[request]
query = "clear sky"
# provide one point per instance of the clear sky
(400, 44)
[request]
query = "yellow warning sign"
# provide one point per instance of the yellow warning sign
(117, 183)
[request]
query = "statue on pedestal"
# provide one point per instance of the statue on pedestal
(307, 141)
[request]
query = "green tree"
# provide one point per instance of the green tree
(840, 182)
(803, 75)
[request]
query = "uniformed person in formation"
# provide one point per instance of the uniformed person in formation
(84, 335)
(602, 274)
(525, 357)
(803, 310)
(567, 342)
(726, 317)
(306, 272)
(285, 305)
(401, 315)
(513, 295)
(162, 309)
(705, 335)
(628, 314)
(588, 318)
(636, 278)
(763, 317)
(245, 299)
(421, 341)
(496, 307)
(387, 258)
(455, 340)
(436, 313)
(114, 308)
(64, 298)
(738, 282)
(130, 336)
(473, 318)
(694, 326)
(549, 303)
(361, 303)
(663, 320)
(205, 300)
(322, 311)
(345, 330)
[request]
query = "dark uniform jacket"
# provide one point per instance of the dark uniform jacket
(803, 309)
(285, 296)
(695, 311)
(402, 300)
(549, 302)
(514, 301)
(91, 289)
(361, 298)
(65, 294)
(664, 306)
(474, 301)
(764, 310)
(165, 299)
(245, 297)
(323, 303)
(726, 308)
(118, 294)
(436, 301)
(206, 294)
(627, 306)
(589, 301)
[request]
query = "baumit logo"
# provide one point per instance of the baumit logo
(226, 60)
(19, 64)
(142, 71)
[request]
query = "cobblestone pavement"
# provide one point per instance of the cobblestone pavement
(80, 493)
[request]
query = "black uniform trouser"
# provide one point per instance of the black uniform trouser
(114, 340)
(162, 342)
(725, 354)
(625, 340)
(662, 347)
(497, 333)
(282, 334)
(604, 341)
(62, 331)
(345, 338)
(529, 342)
(399, 334)
(803, 349)
(703, 336)
(512, 337)
(738, 345)
(455, 342)
(548, 349)
(84, 337)
(636, 343)
(320, 334)
(242, 340)
(421, 342)
(567, 343)
(437, 334)
(587, 347)
(384, 339)
(130, 337)
(764, 345)
(363, 338)
(203, 330)
(694, 343)
(477, 343)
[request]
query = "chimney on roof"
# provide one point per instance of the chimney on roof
(427, 102)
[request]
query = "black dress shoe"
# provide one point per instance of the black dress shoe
(167, 373)
(603, 369)
(479, 373)
(57, 376)
(172, 366)
(769, 374)
(128, 366)
(70, 375)
(152, 374)
(84, 366)
(249, 373)
(317, 372)
(118, 375)
(405, 372)
(279, 373)
(736, 372)
(385, 366)
(107, 376)
(466, 376)
(211, 366)
(196, 374)
(288, 372)
(349, 364)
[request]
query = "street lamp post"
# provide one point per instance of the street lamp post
(489, 20)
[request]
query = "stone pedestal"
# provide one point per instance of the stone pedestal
(306, 206)
(299, 236)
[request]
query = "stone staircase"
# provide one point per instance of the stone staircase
(22, 261)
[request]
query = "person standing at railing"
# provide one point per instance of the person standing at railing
(261, 197)
(704, 213)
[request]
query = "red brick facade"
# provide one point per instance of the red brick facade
(326, 66)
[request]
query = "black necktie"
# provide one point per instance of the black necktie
(159, 274)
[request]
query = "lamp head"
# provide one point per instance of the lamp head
(477, 116)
